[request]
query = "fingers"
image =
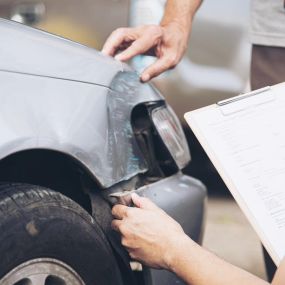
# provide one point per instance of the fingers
(135, 41)
(160, 66)
(140, 46)
(120, 211)
(143, 203)
(136, 200)
(115, 40)
(123, 229)
(116, 224)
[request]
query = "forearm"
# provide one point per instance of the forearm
(181, 12)
(197, 266)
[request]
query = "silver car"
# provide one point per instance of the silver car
(216, 64)
(79, 133)
(215, 67)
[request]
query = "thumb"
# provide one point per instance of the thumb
(143, 203)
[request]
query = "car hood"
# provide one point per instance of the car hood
(32, 51)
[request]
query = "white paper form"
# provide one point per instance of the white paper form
(246, 142)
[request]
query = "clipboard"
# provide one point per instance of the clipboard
(244, 137)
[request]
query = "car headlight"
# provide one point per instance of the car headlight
(171, 132)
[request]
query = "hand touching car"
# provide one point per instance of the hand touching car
(155, 239)
(148, 233)
(168, 43)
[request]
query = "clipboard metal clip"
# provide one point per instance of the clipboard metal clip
(243, 96)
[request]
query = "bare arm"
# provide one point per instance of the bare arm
(181, 12)
(167, 41)
(155, 239)
(197, 266)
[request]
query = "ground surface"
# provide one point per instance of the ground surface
(229, 235)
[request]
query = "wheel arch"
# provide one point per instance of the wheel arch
(65, 174)
(51, 169)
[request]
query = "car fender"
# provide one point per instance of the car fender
(89, 122)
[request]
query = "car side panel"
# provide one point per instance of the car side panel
(86, 121)
(27, 50)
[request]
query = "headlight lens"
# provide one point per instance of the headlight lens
(171, 132)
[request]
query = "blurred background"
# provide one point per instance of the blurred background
(216, 66)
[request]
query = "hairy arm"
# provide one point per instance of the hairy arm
(167, 41)
(155, 239)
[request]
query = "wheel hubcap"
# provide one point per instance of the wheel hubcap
(42, 271)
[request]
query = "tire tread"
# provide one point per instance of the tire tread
(15, 197)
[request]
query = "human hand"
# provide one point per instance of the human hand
(148, 233)
(168, 43)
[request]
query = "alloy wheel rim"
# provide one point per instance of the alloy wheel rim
(42, 271)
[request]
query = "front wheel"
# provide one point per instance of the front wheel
(47, 239)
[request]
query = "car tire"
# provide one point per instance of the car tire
(46, 238)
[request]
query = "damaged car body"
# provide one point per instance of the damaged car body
(80, 132)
